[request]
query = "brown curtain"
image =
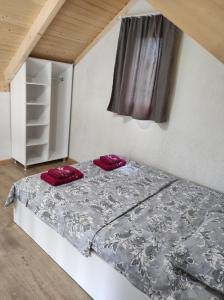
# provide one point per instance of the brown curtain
(142, 72)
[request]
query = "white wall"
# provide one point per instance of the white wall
(190, 145)
(5, 138)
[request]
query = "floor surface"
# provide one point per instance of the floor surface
(26, 271)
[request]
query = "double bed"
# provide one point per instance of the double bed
(120, 234)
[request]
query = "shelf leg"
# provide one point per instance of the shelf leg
(64, 159)
(15, 162)
(25, 168)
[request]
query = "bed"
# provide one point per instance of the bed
(129, 221)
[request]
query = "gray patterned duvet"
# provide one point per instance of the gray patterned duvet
(142, 221)
(78, 210)
(142, 243)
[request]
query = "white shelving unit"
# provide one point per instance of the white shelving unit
(40, 111)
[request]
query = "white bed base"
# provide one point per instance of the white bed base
(100, 280)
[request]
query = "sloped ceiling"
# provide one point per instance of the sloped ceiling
(75, 26)
(16, 16)
(203, 20)
(78, 24)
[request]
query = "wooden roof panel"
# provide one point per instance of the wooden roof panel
(78, 24)
(15, 19)
(201, 19)
(75, 26)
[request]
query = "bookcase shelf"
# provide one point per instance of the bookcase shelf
(36, 124)
(35, 83)
(36, 135)
(36, 143)
(37, 114)
(41, 101)
(35, 103)
(36, 154)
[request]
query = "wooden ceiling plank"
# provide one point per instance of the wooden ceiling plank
(38, 2)
(66, 35)
(14, 19)
(46, 50)
(201, 19)
(9, 34)
(64, 44)
(93, 8)
(61, 55)
(54, 57)
(58, 55)
(2, 51)
(4, 87)
(12, 29)
(106, 7)
(116, 4)
(57, 37)
(80, 10)
(100, 10)
(75, 25)
(104, 31)
(20, 9)
(40, 24)
(86, 12)
(72, 19)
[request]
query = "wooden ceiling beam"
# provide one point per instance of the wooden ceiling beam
(36, 31)
(203, 20)
(104, 31)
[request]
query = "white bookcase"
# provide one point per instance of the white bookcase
(40, 111)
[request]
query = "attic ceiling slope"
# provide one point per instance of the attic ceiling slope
(81, 23)
(72, 32)
(203, 20)
(36, 30)
(75, 27)
(15, 19)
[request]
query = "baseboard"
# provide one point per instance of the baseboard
(72, 161)
(9, 161)
(6, 162)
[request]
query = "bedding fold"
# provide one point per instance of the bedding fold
(202, 255)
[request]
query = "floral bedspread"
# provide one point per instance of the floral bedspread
(142, 243)
(141, 220)
(78, 210)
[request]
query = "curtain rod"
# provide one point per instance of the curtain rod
(140, 15)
